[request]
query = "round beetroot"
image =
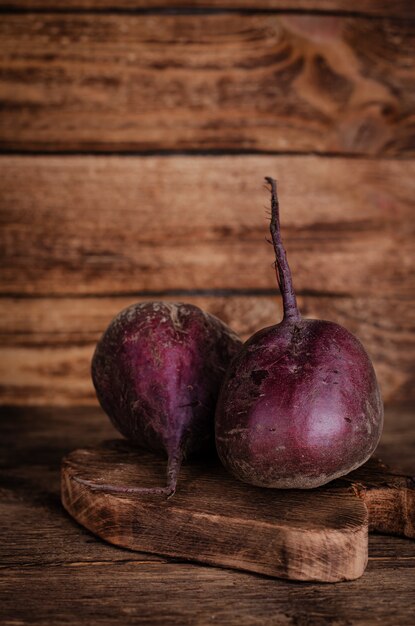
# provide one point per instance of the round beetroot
(300, 404)
(157, 371)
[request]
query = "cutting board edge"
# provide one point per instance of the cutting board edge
(353, 542)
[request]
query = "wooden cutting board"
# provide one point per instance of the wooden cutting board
(317, 535)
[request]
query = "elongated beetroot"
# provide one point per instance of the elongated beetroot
(157, 371)
(300, 404)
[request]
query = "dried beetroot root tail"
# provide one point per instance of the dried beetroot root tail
(173, 468)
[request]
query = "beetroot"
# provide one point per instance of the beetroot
(300, 404)
(157, 370)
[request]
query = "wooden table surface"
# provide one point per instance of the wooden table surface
(55, 572)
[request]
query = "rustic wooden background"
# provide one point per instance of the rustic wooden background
(134, 139)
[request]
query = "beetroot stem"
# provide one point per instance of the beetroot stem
(282, 268)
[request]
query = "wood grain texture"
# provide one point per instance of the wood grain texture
(54, 571)
(117, 225)
(397, 8)
(46, 344)
(189, 595)
(320, 536)
(88, 581)
(388, 496)
(287, 83)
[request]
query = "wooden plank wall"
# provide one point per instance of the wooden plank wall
(134, 138)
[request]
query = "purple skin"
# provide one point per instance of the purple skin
(157, 372)
(300, 405)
